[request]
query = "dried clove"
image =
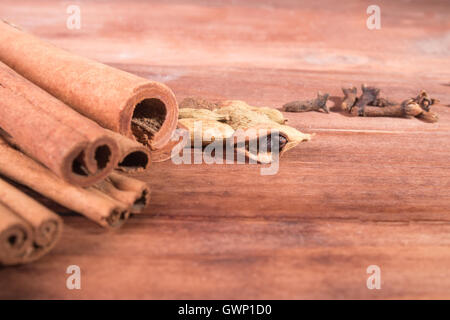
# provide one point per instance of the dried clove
(424, 100)
(382, 102)
(369, 104)
(350, 97)
(369, 96)
(317, 104)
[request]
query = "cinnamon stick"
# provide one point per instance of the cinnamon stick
(89, 202)
(134, 193)
(46, 225)
(179, 140)
(15, 237)
(133, 156)
(130, 105)
(72, 146)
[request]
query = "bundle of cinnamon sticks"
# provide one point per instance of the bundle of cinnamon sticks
(71, 130)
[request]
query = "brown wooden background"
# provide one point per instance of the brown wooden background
(364, 191)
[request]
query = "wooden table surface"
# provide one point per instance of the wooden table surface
(364, 191)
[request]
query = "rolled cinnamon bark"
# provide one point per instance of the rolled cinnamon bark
(130, 105)
(15, 237)
(72, 146)
(133, 156)
(46, 225)
(89, 202)
(178, 141)
(134, 193)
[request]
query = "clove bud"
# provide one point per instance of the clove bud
(320, 103)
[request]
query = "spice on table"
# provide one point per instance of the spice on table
(370, 104)
(133, 106)
(186, 113)
(245, 127)
(45, 225)
(288, 137)
(317, 104)
(89, 202)
(206, 130)
(350, 97)
(198, 103)
(133, 156)
(72, 146)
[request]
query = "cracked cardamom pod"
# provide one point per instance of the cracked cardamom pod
(271, 113)
(186, 113)
(198, 103)
(287, 138)
(242, 117)
(206, 130)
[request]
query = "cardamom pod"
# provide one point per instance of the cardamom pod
(198, 103)
(271, 113)
(242, 117)
(206, 130)
(185, 113)
(235, 104)
(288, 137)
(256, 125)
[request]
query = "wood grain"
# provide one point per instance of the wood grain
(364, 191)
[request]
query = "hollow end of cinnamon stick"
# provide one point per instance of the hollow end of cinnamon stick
(45, 238)
(102, 155)
(75, 169)
(45, 223)
(136, 107)
(153, 115)
(112, 213)
(72, 146)
(89, 202)
(142, 201)
(15, 237)
(90, 163)
(134, 161)
(117, 217)
(13, 244)
(133, 156)
(48, 232)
